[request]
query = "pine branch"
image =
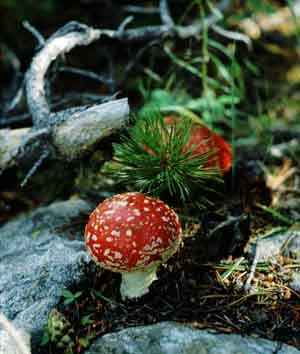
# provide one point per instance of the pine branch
(154, 158)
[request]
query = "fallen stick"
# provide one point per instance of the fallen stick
(17, 340)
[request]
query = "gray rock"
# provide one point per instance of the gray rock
(292, 247)
(38, 259)
(286, 244)
(295, 281)
(172, 338)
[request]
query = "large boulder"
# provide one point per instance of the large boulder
(40, 255)
(172, 338)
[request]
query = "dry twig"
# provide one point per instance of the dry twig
(19, 342)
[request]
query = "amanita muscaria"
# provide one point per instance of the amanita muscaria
(132, 233)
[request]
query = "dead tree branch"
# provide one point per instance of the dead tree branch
(37, 35)
(19, 341)
(69, 36)
(165, 13)
(71, 133)
(68, 138)
(86, 73)
(141, 10)
(76, 34)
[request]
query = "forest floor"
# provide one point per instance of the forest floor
(215, 280)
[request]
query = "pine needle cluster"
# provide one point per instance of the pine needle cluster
(154, 159)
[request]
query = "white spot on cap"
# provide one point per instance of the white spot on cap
(136, 212)
(94, 238)
(165, 218)
(131, 193)
(122, 203)
(129, 232)
(130, 218)
(118, 255)
(146, 209)
(109, 212)
(146, 201)
(109, 239)
(106, 252)
(115, 233)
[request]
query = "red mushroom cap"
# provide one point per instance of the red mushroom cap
(203, 140)
(131, 231)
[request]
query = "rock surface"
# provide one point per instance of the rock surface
(38, 259)
(295, 281)
(172, 338)
(286, 244)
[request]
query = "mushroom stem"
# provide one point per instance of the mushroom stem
(135, 284)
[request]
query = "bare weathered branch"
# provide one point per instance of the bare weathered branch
(37, 35)
(34, 168)
(65, 39)
(165, 13)
(19, 341)
(74, 137)
(16, 99)
(247, 285)
(8, 121)
(86, 73)
(141, 10)
(125, 23)
(233, 35)
(74, 133)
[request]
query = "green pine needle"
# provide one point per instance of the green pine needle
(151, 158)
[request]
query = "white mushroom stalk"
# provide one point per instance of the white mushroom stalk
(136, 284)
